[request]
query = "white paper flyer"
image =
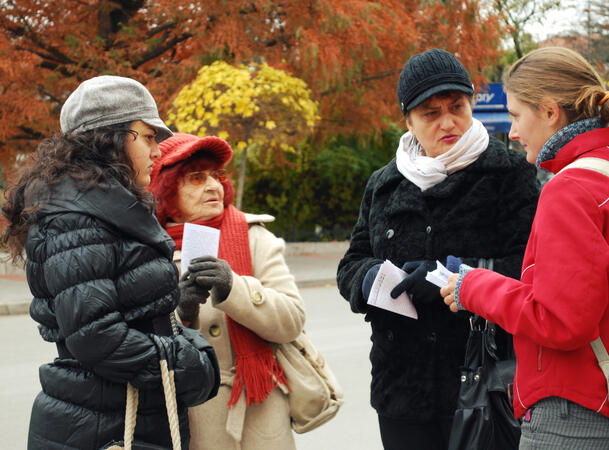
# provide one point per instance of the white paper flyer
(198, 240)
(387, 278)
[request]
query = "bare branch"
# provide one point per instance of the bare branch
(364, 79)
(157, 51)
(160, 29)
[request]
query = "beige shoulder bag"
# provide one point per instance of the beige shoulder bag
(314, 394)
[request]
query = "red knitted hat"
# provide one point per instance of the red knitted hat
(181, 146)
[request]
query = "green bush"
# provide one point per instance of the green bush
(316, 196)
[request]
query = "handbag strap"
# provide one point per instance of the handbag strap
(601, 354)
(169, 389)
(601, 166)
(130, 415)
(596, 164)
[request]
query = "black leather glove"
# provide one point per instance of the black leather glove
(191, 295)
(418, 288)
(213, 273)
(368, 280)
(197, 374)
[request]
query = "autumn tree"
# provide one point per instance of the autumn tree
(48, 47)
(516, 14)
(349, 52)
(596, 23)
(254, 106)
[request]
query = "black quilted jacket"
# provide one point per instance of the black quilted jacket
(482, 211)
(101, 272)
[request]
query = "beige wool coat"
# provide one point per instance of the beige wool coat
(269, 304)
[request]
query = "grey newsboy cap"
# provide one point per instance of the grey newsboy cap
(108, 100)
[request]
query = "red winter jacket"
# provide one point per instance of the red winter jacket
(560, 304)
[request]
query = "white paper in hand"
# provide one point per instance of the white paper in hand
(198, 240)
(439, 277)
(387, 278)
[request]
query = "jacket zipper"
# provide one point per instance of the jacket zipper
(539, 358)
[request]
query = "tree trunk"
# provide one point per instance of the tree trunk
(516, 40)
(241, 180)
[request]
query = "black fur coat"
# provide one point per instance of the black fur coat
(482, 211)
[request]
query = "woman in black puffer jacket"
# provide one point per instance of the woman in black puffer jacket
(451, 190)
(100, 268)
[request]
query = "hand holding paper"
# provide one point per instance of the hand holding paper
(387, 278)
(439, 276)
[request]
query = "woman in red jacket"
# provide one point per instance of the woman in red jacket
(560, 304)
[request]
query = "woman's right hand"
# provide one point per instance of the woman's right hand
(448, 292)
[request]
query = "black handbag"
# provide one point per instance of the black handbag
(484, 418)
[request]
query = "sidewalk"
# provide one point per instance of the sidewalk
(312, 264)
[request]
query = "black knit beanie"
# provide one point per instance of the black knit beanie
(429, 73)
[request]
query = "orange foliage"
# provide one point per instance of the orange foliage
(349, 52)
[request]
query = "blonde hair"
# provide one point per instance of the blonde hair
(562, 75)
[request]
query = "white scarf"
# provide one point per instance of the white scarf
(425, 171)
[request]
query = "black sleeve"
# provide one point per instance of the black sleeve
(194, 362)
(359, 258)
(90, 315)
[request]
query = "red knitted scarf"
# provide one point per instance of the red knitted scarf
(257, 368)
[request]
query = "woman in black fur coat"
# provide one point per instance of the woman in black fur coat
(450, 190)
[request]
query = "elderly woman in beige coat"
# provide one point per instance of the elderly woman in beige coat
(241, 301)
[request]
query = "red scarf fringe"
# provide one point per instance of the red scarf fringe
(257, 370)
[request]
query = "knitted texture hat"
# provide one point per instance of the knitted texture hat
(108, 100)
(182, 146)
(430, 73)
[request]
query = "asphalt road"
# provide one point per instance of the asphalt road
(341, 336)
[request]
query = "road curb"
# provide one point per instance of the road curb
(14, 308)
(322, 282)
(315, 248)
(23, 307)
(293, 250)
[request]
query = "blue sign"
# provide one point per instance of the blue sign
(494, 121)
(491, 98)
(491, 109)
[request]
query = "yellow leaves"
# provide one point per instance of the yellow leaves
(208, 97)
(257, 105)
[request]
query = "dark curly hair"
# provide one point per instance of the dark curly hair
(165, 185)
(91, 158)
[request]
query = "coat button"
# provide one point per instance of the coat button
(389, 234)
(428, 229)
(214, 331)
(389, 335)
(257, 298)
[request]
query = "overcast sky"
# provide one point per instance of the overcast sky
(569, 17)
